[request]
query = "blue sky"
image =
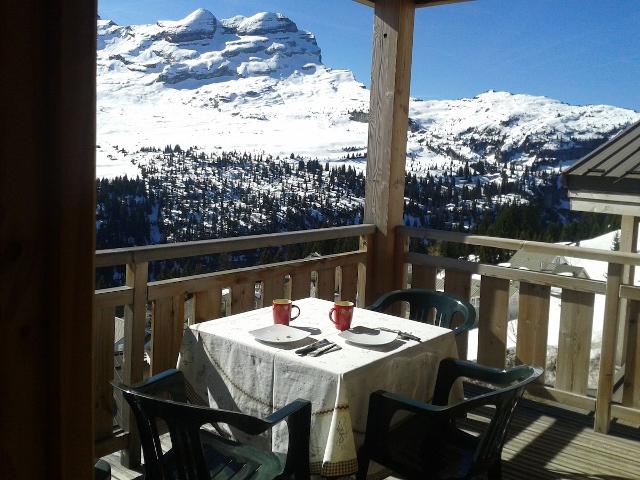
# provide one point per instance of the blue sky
(578, 51)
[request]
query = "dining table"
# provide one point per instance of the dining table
(228, 367)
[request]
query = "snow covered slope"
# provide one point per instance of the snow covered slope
(258, 84)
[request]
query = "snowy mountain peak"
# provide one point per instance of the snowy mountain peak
(198, 25)
(265, 23)
(195, 50)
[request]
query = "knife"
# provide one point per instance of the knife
(325, 349)
(310, 348)
(404, 335)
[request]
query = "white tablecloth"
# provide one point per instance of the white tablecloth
(226, 365)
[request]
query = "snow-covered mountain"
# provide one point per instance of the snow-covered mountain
(258, 84)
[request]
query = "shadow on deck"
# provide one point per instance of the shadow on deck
(544, 442)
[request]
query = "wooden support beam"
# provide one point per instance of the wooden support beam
(387, 140)
(533, 324)
(608, 349)
(492, 324)
(574, 342)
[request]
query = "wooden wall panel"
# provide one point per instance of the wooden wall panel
(574, 343)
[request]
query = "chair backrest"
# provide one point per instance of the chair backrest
(188, 459)
(422, 302)
(511, 383)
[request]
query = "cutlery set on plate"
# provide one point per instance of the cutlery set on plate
(318, 348)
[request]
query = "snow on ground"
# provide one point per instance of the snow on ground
(596, 271)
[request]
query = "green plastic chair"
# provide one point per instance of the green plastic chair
(422, 302)
(198, 454)
(427, 443)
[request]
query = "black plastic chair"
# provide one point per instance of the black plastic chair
(427, 443)
(422, 302)
(199, 454)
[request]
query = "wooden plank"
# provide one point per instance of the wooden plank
(423, 277)
(300, 284)
(524, 245)
(533, 324)
(121, 256)
(196, 283)
(628, 243)
(135, 318)
(387, 140)
(628, 414)
(272, 288)
(492, 322)
(458, 283)
(574, 342)
(608, 350)
(348, 282)
(166, 332)
(514, 274)
(546, 394)
(113, 297)
(207, 305)
(627, 291)
(326, 284)
(631, 392)
(103, 340)
(243, 297)
(117, 441)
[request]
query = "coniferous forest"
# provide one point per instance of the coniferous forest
(185, 195)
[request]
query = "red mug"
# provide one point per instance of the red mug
(282, 311)
(343, 315)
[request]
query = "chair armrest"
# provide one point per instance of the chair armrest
(170, 381)
(383, 302)
(298, 417)
(469, 324)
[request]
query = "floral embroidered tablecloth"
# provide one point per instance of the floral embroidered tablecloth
(230, 369)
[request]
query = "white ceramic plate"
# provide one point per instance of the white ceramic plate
(279, 334)
(368, 336)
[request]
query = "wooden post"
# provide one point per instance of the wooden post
(103, 339)
(47, 238)
(348, 282)
(628, 243)
(135, 320)
(493, 321)
(167, 328)
(387, 141)
(608, 349)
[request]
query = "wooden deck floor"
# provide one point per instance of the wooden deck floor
(544, 443)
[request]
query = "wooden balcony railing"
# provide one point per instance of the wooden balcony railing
(340, 274)
(576, 318)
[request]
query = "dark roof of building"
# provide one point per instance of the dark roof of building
(613, 167)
